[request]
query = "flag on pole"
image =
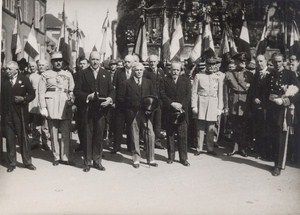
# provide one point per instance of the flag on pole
(63, 41)
(295, 40)
(106, 45)
(140, 47)
(80, 47)
(31, 46)
(197, 50)
(208, 42)
(165, 50)
(244, 41)
(263, 42)
(177, 42)
(16, 46)
(227, 47)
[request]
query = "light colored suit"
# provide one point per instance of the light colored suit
(207, 103)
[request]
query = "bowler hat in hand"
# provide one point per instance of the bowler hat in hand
(150, 103)
(177, 116)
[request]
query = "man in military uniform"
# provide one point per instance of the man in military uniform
(207, 104)
(56, 99)
(280, 97)
(236, 85)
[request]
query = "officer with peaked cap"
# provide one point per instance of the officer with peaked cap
(207, 104)
(56, 98)
(236, 86)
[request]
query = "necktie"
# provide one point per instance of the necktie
(139, 82)
(12, 81)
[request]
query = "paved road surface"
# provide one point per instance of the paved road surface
(211, 185)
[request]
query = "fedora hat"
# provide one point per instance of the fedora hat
(150, 103)
(177, 116)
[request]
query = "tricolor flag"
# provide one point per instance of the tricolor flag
(106, 45)
(263, 42)
(295, 40)
(63, 41)
(208, 43)
(31, 46)
(244, 41)
(80, 50)
(227, 47)
(165, 50)
(177, 42)
(140, 47)
(16, 46)
(197, 50)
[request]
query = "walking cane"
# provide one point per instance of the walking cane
(25, 144)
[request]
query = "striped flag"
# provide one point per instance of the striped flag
(106, 45)
(208, 43)
(165, 39)
(197, 50)
(295, 40)
(140, 47)
(227, 47)
(244, 41)
(16, 46)
(177, 42)
(31, 46)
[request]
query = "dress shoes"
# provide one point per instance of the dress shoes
(153, 164)
(169, 161)
(45, 147)
(30, 167)
(86, 168)
(70, 163)
(213, 153)
(159, 146)
(243, 153)
(136, 165)
(276, 171)
(55, 163)
(232, 153)
(11, 168)
(185, 163)
(113, 152)
(99, 167)
(197, 153)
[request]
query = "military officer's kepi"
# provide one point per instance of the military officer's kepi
(240, 56)
(56, 55)
(211, 61)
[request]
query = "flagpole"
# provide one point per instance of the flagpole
(164, 10)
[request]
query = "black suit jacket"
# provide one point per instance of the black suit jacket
(23, 88)
(131, 95)
(155, 78)
(86, 84)
(179, 92)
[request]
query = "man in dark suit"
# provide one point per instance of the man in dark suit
(130, 97)
(94, 93)
(176, 93)
(17, 92)
(279, 100)
(121, 75)
(155, 75)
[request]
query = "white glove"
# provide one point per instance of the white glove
(195, 110)
(90, 97)
(278, 101)
(176, 105)
(44, 112)
(107, 102)
(219, 112)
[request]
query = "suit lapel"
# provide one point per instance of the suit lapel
(172, 84)
(135, 87)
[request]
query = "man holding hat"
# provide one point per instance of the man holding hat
(236, 86)
(176, 93)
(207, 104)
(56, 99)
(131, 97)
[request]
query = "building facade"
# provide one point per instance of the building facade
(31, 11)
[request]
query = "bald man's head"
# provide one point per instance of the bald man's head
(261, 62)
(95, 59)
(128, 61)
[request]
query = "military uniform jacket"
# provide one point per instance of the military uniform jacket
(55, 91)
(276, 84)
(23, 88)
(179, 92)
(87, 84)
(207, 95)
(236, 86)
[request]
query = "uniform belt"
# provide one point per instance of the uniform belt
(206, 94)
(57, 90)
